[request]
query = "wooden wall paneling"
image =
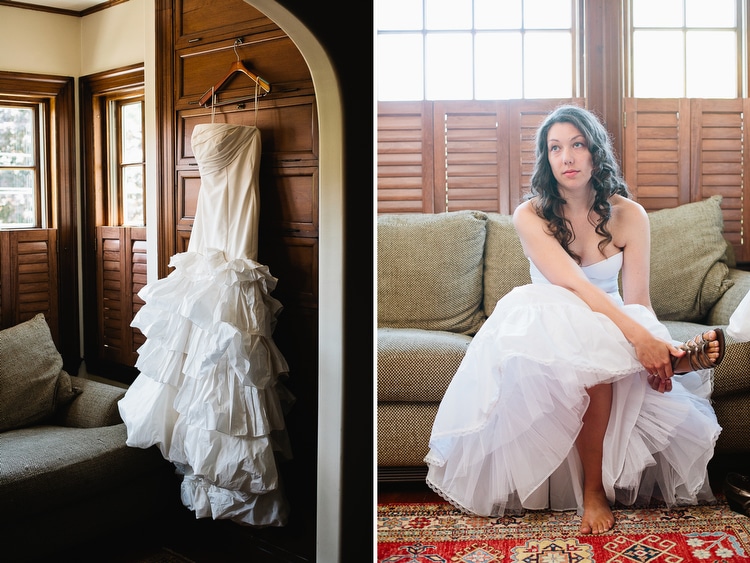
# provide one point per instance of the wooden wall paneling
(272, 56)
(719, 146)
(198, 21)
(657, 159)
(405, 157)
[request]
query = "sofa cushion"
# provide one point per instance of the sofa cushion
(417, 365)
(688, 253)
(33, 384)
(430, 271)
(505, 265)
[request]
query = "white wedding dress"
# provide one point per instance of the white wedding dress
(504, 435)
(209, 393)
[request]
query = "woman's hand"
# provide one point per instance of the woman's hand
(656, 355)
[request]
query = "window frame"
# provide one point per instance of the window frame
(114, 104)
(577, 48)
(41, 147)
(741, 29)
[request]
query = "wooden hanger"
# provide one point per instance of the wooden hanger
(237, 66)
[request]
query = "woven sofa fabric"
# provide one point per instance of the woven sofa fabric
(505, 265)
(54, 466)
(403, 433)
(417, 365)
(724, 307)
(96, 406)
(688, 253)
(733, 413)
(430, 271)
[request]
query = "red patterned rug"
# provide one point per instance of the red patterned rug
(437, 533)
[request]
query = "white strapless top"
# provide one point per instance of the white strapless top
(603, 274)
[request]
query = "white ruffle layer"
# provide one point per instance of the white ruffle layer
(504, 436)
(209, 393)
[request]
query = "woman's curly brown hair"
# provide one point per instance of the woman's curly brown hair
(606, 177)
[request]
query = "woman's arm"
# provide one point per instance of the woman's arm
(560, 269)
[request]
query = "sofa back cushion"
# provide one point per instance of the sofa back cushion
(688, 260)
(430, 271)
(505, 265)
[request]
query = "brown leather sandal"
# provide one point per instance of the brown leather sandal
(697, 355)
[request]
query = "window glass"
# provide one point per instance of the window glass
(448, 14)
(398, 14)
(400, 67)
(498, 77)
(491, 14)
(664, 13)
(18, 173)
(131, 163)
(711, 64)
(659, 64)
(711, 13)
(546, 14)
(447, 76)
(548, 62)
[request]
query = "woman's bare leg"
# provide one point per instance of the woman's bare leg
(597, 516)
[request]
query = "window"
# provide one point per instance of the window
(685, 48)
(128, 161)
(21, 178)
(476, 49)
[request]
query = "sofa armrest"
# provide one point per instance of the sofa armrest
(724, 307)
(95, 406)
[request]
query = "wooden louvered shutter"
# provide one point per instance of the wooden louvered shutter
(472, 173)
(28, 277)
(657, 151)
(405, 157)
(720, 141)
(121, 259)
(683, 150)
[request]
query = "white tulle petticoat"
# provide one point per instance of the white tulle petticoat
(209, 393)
(504, 436)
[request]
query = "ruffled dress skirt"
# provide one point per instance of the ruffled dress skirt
(504, 436)
(209, 393)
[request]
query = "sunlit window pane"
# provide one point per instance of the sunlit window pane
(548, 65)
(17, 177)
(16, 136)
(658, 64)
(713, 13)
(498, 66)
(491, 14)
(659, 13)
(132, 195)
(398, 14)
(448, 14)
(400, 67)
(131, 133)
(712, 64)
(546, 14)
(447, 74)
(17, 207)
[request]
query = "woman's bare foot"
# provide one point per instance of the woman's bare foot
(597, 515)
(702, 352)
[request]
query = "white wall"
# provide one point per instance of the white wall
(40, 42)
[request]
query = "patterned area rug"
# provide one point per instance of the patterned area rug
(437, 533)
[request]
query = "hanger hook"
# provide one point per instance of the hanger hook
(237, 41)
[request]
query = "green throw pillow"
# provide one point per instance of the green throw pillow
(688, 260)
(33, 384)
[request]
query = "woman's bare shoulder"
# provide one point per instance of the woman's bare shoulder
(626, 209)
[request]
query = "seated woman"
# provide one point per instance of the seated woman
(566, 398)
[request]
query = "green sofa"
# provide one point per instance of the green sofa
(439, 277)
(67, 479)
